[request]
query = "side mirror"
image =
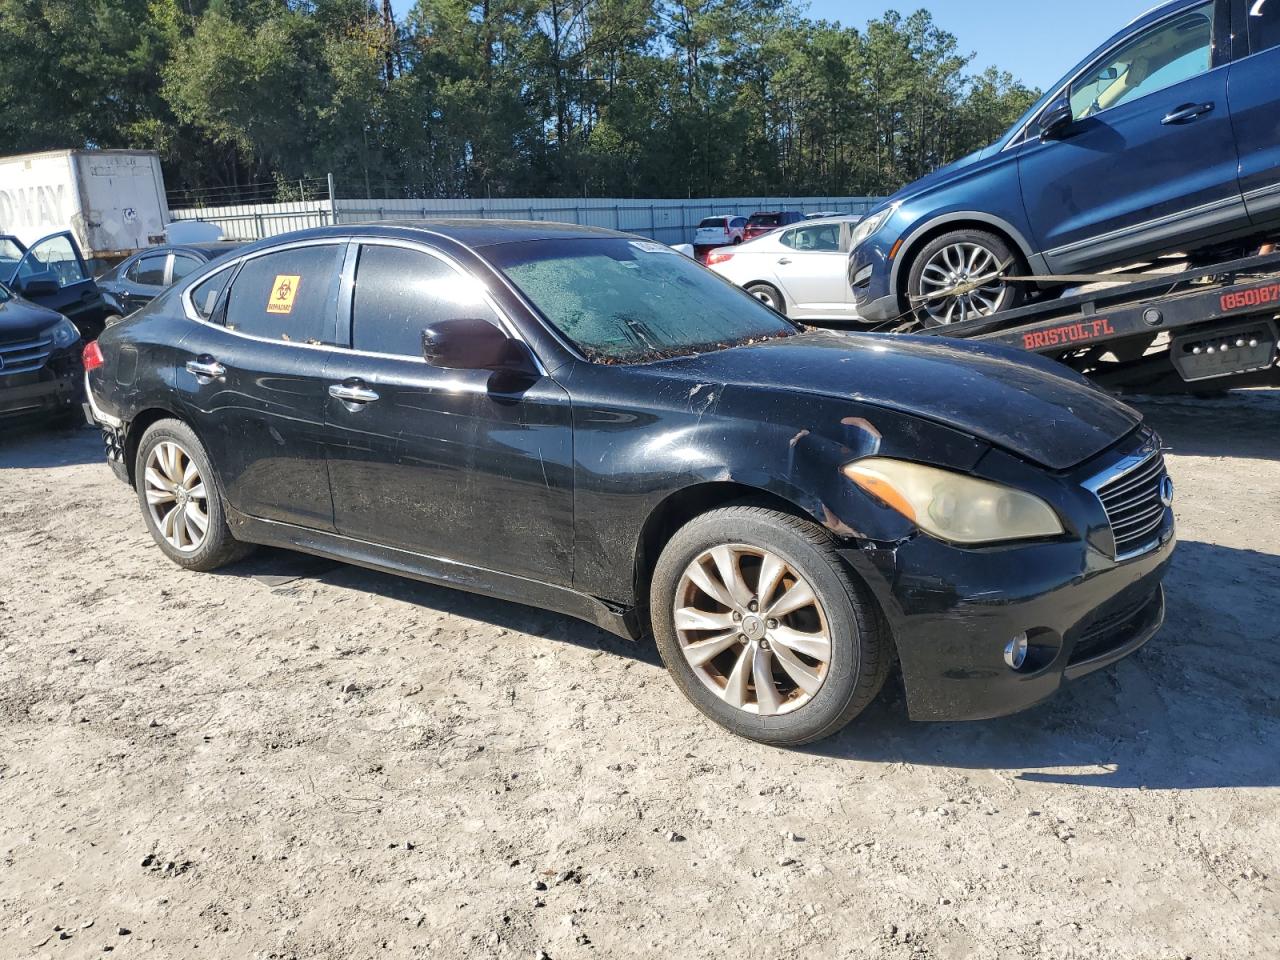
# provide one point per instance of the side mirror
(39, 285)
(470, 343)
(1055, 120)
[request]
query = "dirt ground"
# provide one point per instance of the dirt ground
(298, 759)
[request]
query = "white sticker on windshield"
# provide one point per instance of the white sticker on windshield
(652, 246)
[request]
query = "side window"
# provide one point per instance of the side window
(820, 238)
(148, 271)
(1264, 25)
(183, 264)
(1168, 53)
(399, 291)
(205, 295)
(286, 295)
(54, 255)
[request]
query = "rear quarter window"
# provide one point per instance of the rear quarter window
(205, 294)
(287, 295)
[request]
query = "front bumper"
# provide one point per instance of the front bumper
(952, 612)
(40, 394)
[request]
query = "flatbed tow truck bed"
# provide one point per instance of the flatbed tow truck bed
(1199, 331)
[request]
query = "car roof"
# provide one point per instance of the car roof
(472, 233)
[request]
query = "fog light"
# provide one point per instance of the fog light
(1015, 651)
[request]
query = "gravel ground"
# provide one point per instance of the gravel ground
(294, 758)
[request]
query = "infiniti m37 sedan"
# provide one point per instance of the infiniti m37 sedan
(587, 422)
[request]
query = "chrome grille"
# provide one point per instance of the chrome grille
(1134, 506)
(23, 356)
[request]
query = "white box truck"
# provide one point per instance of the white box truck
(111, 201)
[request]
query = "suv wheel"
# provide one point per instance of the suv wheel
(761, 626)
(180, 498)
(967, 262)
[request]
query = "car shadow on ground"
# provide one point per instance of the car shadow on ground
(38, 446)
(281, 569)
(1237, 424)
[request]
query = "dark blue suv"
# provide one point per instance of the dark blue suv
(1166, 138)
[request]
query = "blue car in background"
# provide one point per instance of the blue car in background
(1166, 138)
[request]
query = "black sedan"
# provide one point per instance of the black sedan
(588, 422)
(136, 281)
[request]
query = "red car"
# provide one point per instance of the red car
(763, 222)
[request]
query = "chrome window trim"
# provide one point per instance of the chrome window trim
(1020, 138)
(345, 241)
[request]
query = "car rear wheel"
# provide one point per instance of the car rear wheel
(769, 295)
(180, 498)
(956, 277)
(761, 626)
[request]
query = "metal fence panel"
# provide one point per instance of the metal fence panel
(670, 221)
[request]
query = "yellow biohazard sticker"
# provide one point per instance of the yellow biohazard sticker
(283, 292)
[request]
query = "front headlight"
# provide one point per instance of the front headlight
(64, 333)
(869, 225)
(953, 506)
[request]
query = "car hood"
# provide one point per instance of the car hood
(1030, 406)
(20, 318)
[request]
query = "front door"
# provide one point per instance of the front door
(252, 376)
(813, 272)
(449, 463)
(53, 274)
(1150, 159)
(1255, 109)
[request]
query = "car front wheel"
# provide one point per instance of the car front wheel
(957, 277)
(762, 627)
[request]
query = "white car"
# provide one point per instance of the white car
(801, 270)
(719, 231)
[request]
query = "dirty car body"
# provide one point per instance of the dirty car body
(40, 374)
(557, 479)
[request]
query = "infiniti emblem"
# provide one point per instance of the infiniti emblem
(1166, 491)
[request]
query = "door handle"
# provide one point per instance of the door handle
(784, 260)
(207, 369)
(1187, 113)
(350, 393)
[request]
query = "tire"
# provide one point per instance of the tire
(769, 295)
(157, 472)
(858, 648)
(962, 249)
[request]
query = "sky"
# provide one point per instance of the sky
(1036, 40)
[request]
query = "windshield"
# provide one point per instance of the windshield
(712, 222)
(633, 301)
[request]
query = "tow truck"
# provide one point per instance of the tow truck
(1199, 331)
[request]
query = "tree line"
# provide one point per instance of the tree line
(480, 98)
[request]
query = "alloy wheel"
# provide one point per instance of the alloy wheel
(752, 629)
(176, 496)
(767, 297)
(972, 271)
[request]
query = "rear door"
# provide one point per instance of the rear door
(1149, 160)
(449, 463)
(1254, 92)
(143, 280)
(254, 374)
(813, 271)
(52, 273)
